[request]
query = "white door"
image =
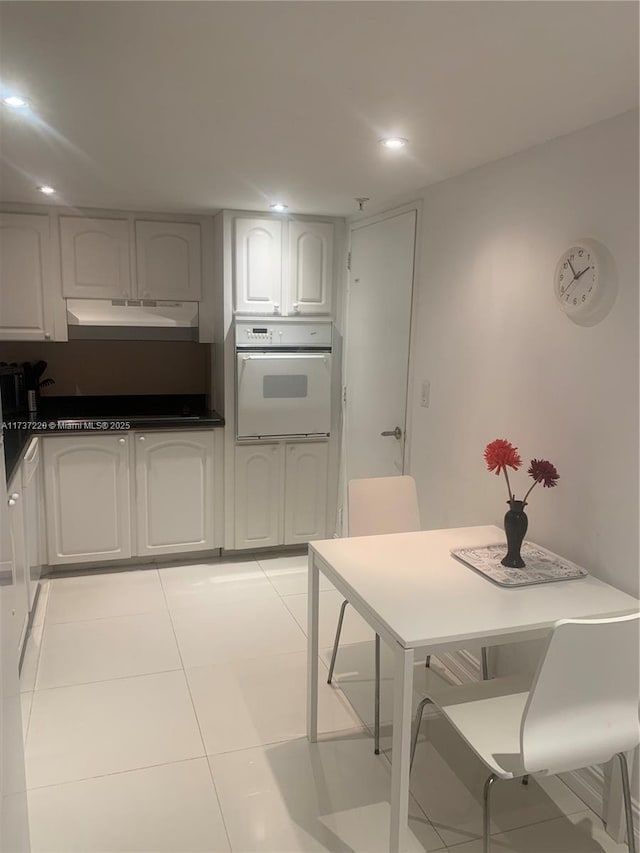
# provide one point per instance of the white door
(87, 498)
(310, 279)
(377, 345)
(305, 492)
(259, 488)
(168, 261)
(24, 258)
(174, 482)
(95, 258)
(283, 394)
(258, 266)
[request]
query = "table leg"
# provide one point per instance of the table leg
(400, 764)
(312, 650)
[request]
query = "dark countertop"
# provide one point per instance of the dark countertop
(83, 415)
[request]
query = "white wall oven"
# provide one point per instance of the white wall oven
(283, 379)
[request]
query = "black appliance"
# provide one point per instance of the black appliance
(13, 391)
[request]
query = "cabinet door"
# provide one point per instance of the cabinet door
(168, 261)
(31, 469)
(305, 492)
(87, 498)
(258, 502)
(175, 490)
(258, 266)
(95, 258)
(310, 279)
(24, 258)
(19, 555)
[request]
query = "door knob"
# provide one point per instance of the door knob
(121, 441)
(141, 438)
(396, 433)
(14, 496)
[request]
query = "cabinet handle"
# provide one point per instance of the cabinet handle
(276, 307)
(296, 306)
(11, 502)
(47, 336)
(122, 440)
(15, 496)
(141, 438)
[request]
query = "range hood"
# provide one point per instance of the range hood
(132, 320)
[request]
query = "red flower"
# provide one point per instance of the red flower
(500, 453)
(543, 472)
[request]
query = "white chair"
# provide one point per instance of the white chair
(378, 505)
(581, 709)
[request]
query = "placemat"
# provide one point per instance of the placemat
(542, 566)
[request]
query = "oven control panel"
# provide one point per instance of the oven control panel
(258, 333)
(306, 334)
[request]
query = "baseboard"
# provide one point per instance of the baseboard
(587, 783)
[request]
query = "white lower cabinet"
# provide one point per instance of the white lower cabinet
(33, 501)
(305, 490)
(280, 493)
(174, 492)
(19, 558)
(110, 497)
(87, 498)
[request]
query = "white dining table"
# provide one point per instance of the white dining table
(415, 595)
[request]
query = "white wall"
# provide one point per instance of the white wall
(505, 362)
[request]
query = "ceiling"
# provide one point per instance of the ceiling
(195, 106)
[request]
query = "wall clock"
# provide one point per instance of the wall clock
(584, 282)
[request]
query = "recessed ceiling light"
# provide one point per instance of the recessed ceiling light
(394, 142)
(278, 207)
(15, 101)
(46, 190)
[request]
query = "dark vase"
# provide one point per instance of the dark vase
(515, 527)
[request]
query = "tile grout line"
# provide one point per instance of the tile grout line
(195, 714)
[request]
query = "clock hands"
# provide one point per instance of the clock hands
(576, 277)
(580, 274)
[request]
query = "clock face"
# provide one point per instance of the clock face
(577, 279)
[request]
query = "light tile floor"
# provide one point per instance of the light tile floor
(164, 710)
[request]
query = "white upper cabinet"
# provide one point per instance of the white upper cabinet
(25, 294)
(258, 266)
(175, 491)
(95, 258)
(310, 267)
(168, 261)
(270, 278)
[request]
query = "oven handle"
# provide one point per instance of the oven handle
(275, 355)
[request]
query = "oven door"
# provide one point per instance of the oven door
(283, 394)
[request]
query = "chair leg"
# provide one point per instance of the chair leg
(427, 663)
(485, 664)
(376, 725)
(626, 791)
(336, 641)
(416, 728)
(525, 780)
(486, 813)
